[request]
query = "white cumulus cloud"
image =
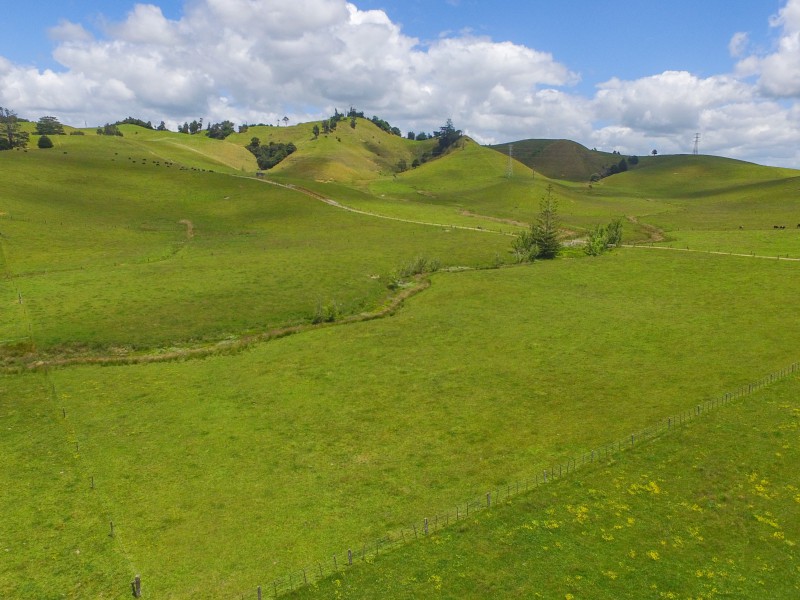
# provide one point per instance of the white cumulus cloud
(258, 60)
(779, 72)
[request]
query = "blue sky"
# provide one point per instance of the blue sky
(615, 75)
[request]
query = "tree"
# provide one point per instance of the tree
(353, 122)
(135, 121)
(285, 121)
(49, 126)
(219, 131)
(162, 126)
(654, 152)
(315, 131)
(12, 136)
(545, 230)
(541, 240)
(44, 142)
(269, 156)
(410, 135)
(447, 136)
(109, 129)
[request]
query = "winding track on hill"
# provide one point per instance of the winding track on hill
(717, 252)
(392, 304)
(339, 205)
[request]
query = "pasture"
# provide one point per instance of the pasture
(225, 472)
(708, 511)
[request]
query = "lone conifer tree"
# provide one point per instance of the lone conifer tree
(545, 230)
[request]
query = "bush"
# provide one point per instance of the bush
(602, 238)
(614, 231)
(45, 142)
(417, 266)
(597, 241)
(326, 313)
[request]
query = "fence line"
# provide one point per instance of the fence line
(365, 552)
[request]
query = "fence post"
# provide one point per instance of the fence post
(425, 524)
(489, 500)
(258, 592)
(349, 557)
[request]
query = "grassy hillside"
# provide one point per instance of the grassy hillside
(229, 471)
(559, 159)
(347, 154)
(734, 204)
(708, 511)
(140, 253)
(141, 144)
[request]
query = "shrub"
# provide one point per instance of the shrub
(417, 266)
(597, 241)
(601, 238)
(45, 142)
(326, 313)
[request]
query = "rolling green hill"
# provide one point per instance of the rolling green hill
(559, 159)
(198, 355)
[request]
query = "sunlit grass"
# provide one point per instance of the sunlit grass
(707, 511)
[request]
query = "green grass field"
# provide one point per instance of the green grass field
(359, 429)
(226, 472)
(708, 511)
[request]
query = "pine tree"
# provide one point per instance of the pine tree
(545, 230)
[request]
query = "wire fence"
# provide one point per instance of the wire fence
(367, 551)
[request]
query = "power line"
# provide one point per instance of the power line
(696, 144)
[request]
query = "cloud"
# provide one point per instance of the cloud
(779, 72)
(262, 57)
(670, 102)
(258, 60)
(738, 44)
(66, 31)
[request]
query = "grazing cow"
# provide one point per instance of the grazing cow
(742, 226)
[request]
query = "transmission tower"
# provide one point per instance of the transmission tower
(510, 167)
(696, 144)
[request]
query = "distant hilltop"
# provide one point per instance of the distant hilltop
(561, 159)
